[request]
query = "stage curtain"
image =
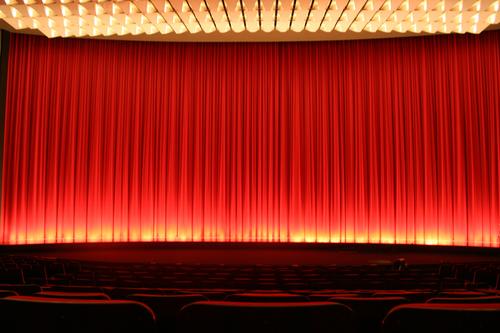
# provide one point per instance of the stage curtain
(374, 141)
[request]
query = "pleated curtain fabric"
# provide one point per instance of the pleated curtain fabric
(374, 141)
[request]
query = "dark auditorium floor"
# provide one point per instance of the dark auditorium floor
(251, 253)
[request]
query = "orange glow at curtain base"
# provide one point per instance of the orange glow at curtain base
(107, 237)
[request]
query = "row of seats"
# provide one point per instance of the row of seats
(38, 314)
(367, 312)
(398, 275)
(417, 295)
(77, 296)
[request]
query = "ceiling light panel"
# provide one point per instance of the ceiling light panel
(80, 18)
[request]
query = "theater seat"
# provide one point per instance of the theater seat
(275, 317)
(27, 314)
(21, 289)
(412, 296)
(439, 318)
(74, 289)
(369, 311)
(166, 307)
(464, 300)
(461, 294)
(123, 293)
(212, 295)
(7, 293)
(326, 297)
(72, 295)
(266, 297)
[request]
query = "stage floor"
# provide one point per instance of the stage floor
(251, 253)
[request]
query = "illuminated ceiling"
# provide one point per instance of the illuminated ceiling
(96, 18)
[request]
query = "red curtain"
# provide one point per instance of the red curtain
(379, 141)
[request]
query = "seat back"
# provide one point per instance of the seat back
(412, 296)
(266, 297)
(22, 289)
(275, 317)
(369, 311)
(213, 295)
(465, 300)
(27, 314)
(326, 297)
(123, 293)
(7, 293)
(71, 295)
(438, 318)
(74, 289)
(166, 307)
(461, 294)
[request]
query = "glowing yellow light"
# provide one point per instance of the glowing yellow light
(96, 21)
(14, 12)
(131, 8)
(99, 10)
(167, 8)
(422, 6)
(224, 28)
(458, 7)
(112, 21)
(48, 11)
(197, 28)
(115, 9)
(82, 10)
(440, 6)
(150, 8)
(492, 18)
(211, 28)
(123, 30)
(192, 19)
(31, 12)
(405, 5)
(369, 5)
(165, 28)
(182, 28)
(65, 11)
(494, 7)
